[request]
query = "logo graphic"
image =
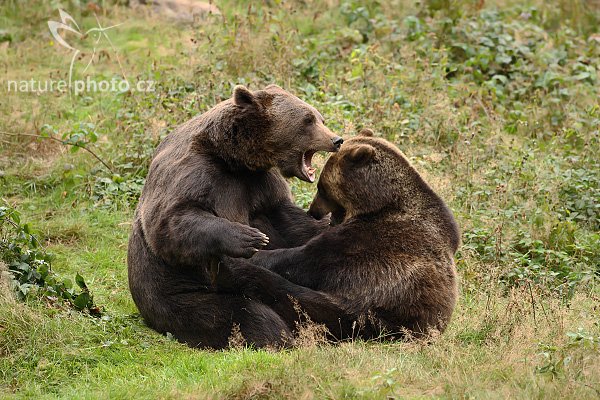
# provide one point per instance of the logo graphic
(67, 23)
(82, 44)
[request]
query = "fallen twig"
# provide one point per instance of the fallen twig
(63, 142)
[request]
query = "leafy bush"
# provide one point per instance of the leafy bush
(511, 55)
(581, 195)
(533, 261)
(554, 359)
(30, 267)
(360, 16)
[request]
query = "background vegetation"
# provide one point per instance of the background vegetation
(495, 102)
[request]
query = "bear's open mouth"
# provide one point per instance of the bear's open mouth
(307, 169)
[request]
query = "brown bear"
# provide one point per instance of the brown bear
(386, 265)
(215, 188)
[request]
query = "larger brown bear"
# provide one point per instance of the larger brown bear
(387, 264)
(213, 190)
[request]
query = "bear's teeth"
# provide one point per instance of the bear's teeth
(306, 162)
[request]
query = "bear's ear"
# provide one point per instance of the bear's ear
(242, 96)
(366, 132)
(361, 155)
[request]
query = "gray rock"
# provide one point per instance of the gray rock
(186, 11)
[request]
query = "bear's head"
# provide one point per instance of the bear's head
(367, 175)
(276, 129)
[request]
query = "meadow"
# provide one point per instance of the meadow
(495, 102)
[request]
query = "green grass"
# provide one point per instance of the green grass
(498, 108)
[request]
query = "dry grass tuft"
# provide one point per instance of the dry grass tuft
(308, 333)
(236, 339)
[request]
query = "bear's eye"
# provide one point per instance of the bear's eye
(309, 119)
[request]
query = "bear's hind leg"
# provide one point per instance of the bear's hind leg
(260, 326)
(210, 320)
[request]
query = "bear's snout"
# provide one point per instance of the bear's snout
(337, 142)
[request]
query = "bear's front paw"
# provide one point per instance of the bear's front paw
(248, 241)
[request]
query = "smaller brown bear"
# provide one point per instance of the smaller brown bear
(387, 264)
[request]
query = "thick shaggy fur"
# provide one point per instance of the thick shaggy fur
(387, 265)
(212, 191)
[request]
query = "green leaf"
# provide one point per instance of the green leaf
(15, 216)
(501, 78)
(582, 76)
(82, 300)
(68, 283)
(92, 137)
(80, 281)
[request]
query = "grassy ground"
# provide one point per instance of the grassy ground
(495, 102)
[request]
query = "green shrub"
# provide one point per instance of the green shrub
(30, 267)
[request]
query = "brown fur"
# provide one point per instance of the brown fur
(213, 190)
(388, 261)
